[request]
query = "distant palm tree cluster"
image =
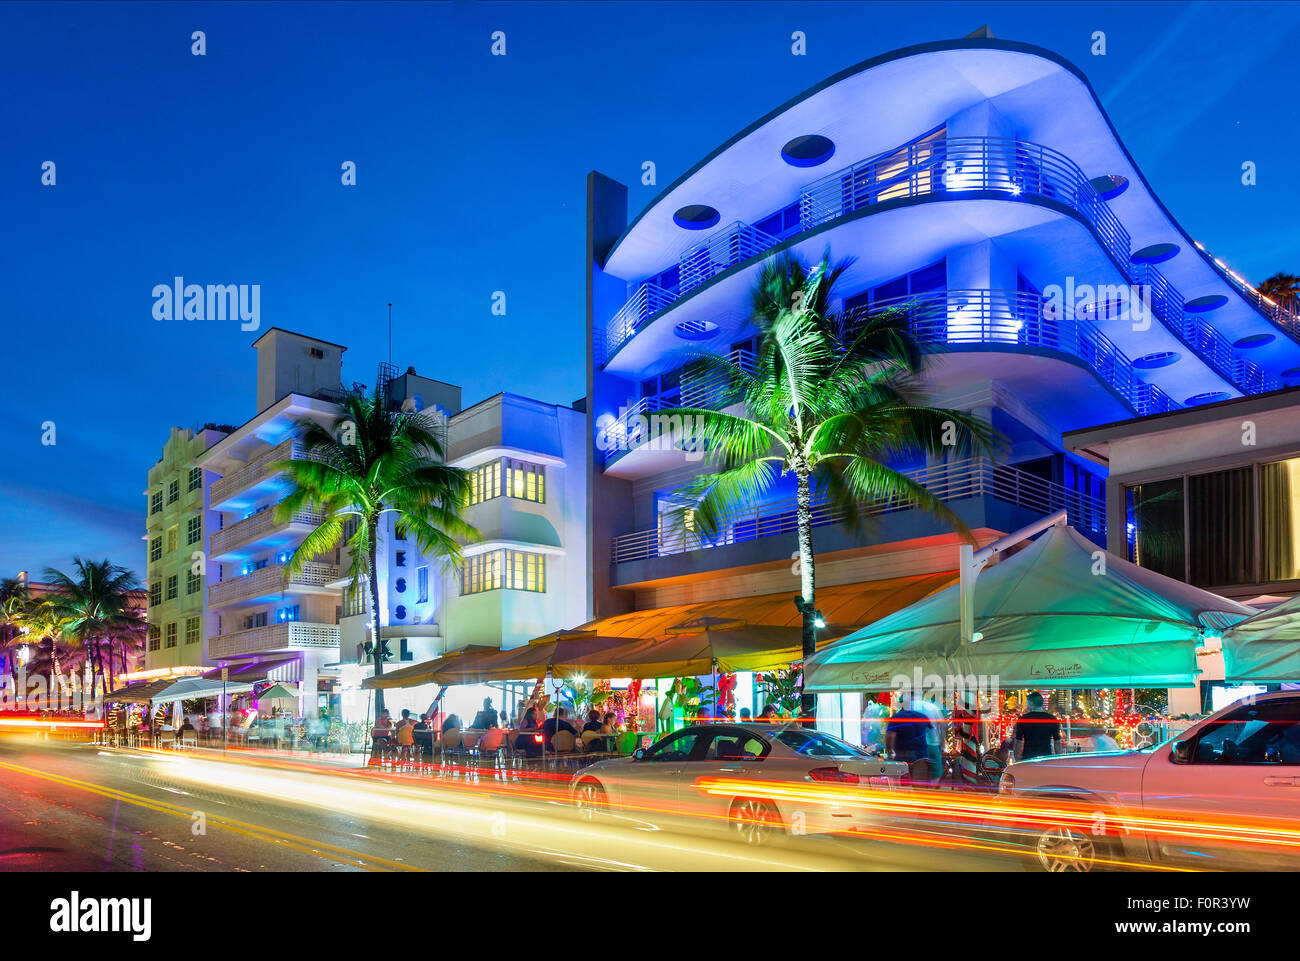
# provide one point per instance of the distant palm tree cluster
(88, 618)
(1283, 289)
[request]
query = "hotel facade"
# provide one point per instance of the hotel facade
(979, 187)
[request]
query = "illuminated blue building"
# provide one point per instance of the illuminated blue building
(979, 184)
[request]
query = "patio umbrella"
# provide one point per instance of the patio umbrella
(1060, 613)
(427, 672)
(1265, 647)
(279, 692)
(562, 652)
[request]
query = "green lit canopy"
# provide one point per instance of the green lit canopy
(1059, 613)
(1265, 647)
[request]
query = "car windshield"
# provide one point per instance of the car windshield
(815, 744)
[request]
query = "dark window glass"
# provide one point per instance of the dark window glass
(1155, 527)
(934, 277)
(890, 290)
(1221, 522)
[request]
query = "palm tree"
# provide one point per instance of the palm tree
(1283, 290)
(43, 630)
(95, 603)
(829, 399)
(376, 461)
(15, 604)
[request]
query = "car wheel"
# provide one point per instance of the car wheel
(591, 800)
(1061, 849)
(756, 822)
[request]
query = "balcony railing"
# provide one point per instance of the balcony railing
(648, 300)
(957, 165)
(974, 477)
(953, 318)
(636, 425)
(251, 528)
(255, 470)
(1168, 304)
(728, 247)
(284, 636)
(269, 581)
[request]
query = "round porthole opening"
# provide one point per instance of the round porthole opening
(1163, 358)
(695, 329)
(696, 217)
(808, 151)
(1154, 254)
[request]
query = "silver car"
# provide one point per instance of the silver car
(760, 781)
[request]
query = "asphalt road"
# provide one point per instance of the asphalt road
(74, 807)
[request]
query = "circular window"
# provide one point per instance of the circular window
(696, 217)
(1164, 358)
(1254, 340)
(1110, 186)
(808, 151)
(1201, 304)
(695, 329)
(400, 612)
(401, 585)
(1155, 254)
(1213, 397)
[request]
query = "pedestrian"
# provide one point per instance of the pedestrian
(486, 718)
(745, 716)
(1038, 733)
(907, 738)
(965, 721)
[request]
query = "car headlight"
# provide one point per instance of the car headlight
(1007, 785)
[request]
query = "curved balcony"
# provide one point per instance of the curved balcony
(284, 636)
(268, 584)
(958, 480)
(260, 530)
(957, 167)
(1018, 320)
(256, 478)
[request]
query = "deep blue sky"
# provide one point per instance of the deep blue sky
(471, 178)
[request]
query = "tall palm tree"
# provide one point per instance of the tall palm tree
(376, 461)
(15, 605)
(1282, 289)
(829, 399)
(95, 602)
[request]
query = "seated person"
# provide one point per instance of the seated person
(486, 718)
(556, 724)
(406, 731)
(593, 722)
(527, 740)
(768, 714)
(609, 723)
(451, 724)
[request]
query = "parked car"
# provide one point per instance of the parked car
(663, 782)
(1238, 769)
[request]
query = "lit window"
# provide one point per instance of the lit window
(526, 481)
(513, 570)
(422, 581)
(485, 482)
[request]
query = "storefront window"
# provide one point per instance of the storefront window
(1155, 527)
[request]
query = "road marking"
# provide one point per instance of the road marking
(251, 831)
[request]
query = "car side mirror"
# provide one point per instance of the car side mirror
(1182, 752)
(638, 754)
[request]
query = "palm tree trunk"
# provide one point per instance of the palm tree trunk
(807, 582)
(378, 647)
(110, 666)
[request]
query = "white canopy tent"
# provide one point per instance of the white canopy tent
(1266, 647)
(1060, 613)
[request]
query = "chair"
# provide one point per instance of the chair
(563, 745)
(492, 745)
(452, 744)
(167, 739)
(188, 738)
